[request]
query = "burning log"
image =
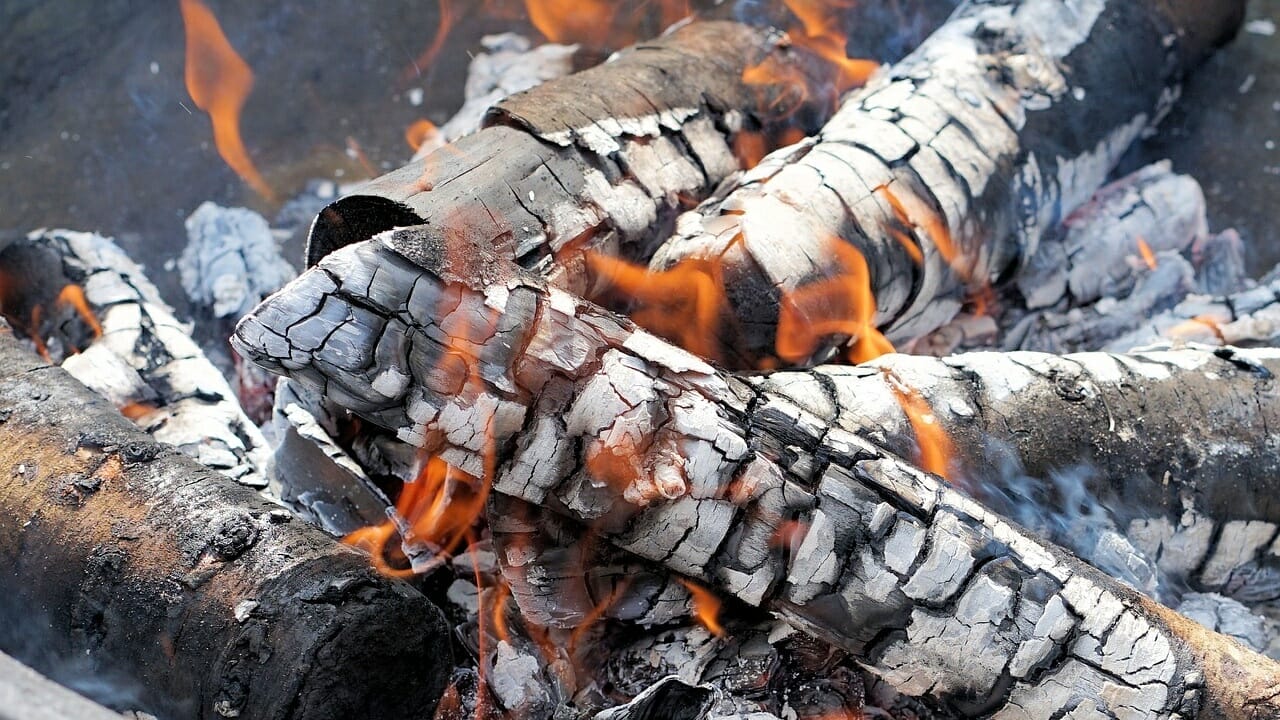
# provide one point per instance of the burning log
(602, 159)
(567, 406)
(941, 176)
(142, 359)
(1160, 439)
(142, 566)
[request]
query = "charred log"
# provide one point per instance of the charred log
(943, 174)
(577, 410)
(146, 569)
(601, 159)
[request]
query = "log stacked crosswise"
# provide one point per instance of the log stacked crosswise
(577, 410)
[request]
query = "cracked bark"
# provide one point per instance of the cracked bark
(1009, 116)
(119, 553)
(697, 470)
(601, 159)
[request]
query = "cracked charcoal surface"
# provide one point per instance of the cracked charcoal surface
(1047, 631)
(1008, 117)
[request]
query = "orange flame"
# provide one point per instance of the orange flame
(219, 82)
(135, 410)
(591, 22)
(937, 454)
(570, 21)
(843, 304)
(1195, 328)
(820, 32)
(448, 18)
(706, 607)
(913, 212)
(683, 304)
(1148, 257)
(419, 132)
(73, 296)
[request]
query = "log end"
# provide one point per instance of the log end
(344, 643)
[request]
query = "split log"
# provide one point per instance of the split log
(146, 569)
(603, 158)
(577, 410)
(143, 359)
(942, 175)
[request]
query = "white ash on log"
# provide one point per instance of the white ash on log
(1100, 247)
(507, 65)
(135, 561)
(144, 361)
(1161, 438)
(464, 354)
(942, 175)
(604, 158)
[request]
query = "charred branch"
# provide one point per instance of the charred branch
(577, 410)
(602, 159)
(943, 174)
(140, 357)
(144, 567)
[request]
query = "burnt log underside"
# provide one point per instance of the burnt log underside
(948, 168)
(460, 352)
(125, 561)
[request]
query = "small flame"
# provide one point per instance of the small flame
(1194, 329)
(570, 21)
(419, 132)
(843, 304)
(706, 607)
(448, 18)
(937, 453)
(913, 212)
(219, 82)
(73, 296)
(595, 23)
(136, 410)
(820, 32)
(1148, 257)
(683, 304)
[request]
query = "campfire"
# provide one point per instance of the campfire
(795, 360)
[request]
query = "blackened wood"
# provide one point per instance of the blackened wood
(604, 158)
(945, 172)
(693, 468)
(132, 560)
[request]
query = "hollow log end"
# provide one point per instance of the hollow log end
(352, 219)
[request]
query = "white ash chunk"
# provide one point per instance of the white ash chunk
(1229, 617)
(231, 261)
